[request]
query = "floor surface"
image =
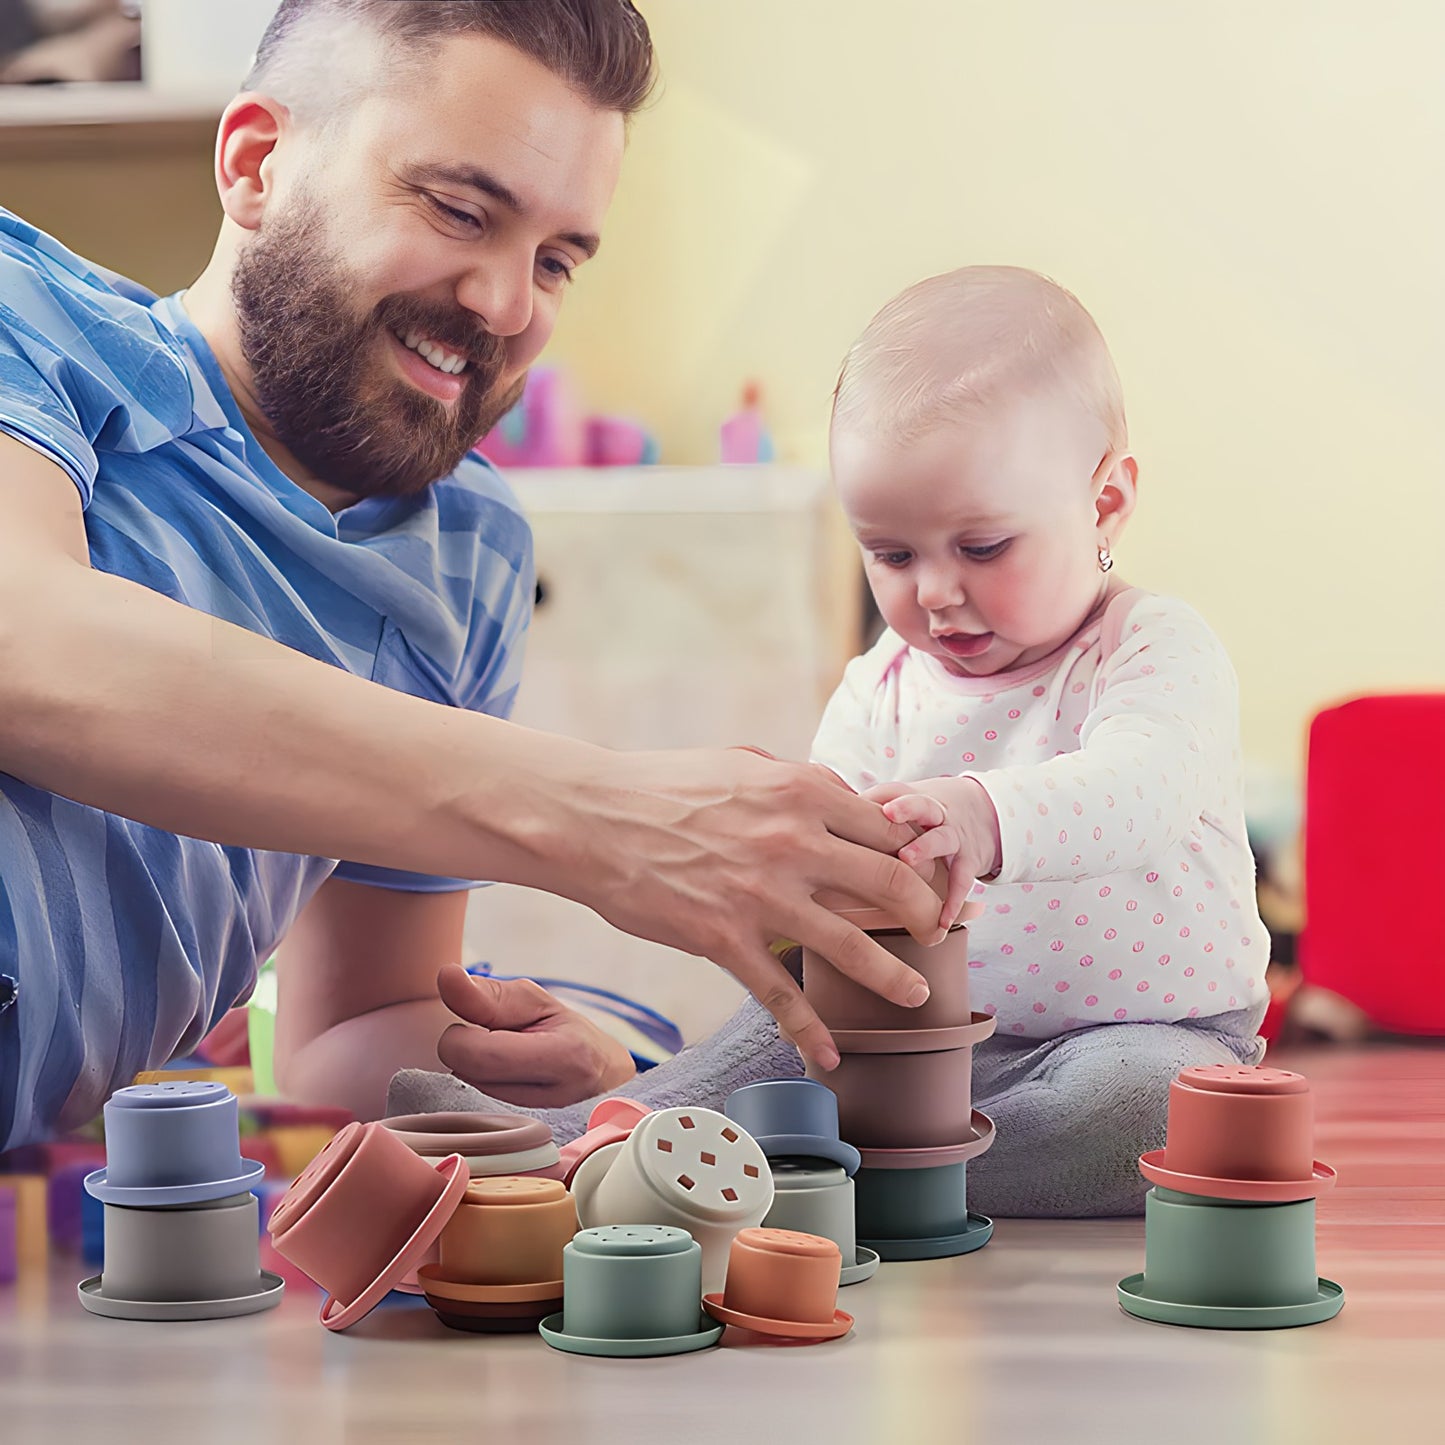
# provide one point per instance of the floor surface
(1021, 1342)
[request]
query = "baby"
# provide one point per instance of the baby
(1069, 740)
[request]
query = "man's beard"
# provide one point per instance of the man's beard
(320, 379)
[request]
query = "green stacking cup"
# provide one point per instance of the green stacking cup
(631, 1290)
(1228, 1264)
(906, 1214)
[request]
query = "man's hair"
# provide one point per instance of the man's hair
(968, 339)
(602, 48)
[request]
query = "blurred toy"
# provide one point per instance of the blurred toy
(614, 442)
(745, 437)
(544, 429)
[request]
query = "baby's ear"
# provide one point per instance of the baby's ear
(1118, 492)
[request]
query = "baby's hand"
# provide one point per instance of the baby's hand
(957, 823)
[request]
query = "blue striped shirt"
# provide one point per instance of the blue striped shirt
(125, 943)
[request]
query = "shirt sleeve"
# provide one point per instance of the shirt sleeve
(1163, 727)
(849, 739)
(83, 368)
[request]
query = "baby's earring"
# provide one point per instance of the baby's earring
(1105, 560)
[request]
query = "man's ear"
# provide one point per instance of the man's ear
(1118, 492)
(250, 129)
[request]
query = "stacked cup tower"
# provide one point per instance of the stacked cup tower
(1229, 1225)
(181, 1224)
(904, 1087)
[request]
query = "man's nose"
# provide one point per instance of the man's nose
(499, 290)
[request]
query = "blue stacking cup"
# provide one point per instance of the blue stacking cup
(172, 1143)
(792, 1118)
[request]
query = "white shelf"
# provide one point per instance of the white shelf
(115, 103)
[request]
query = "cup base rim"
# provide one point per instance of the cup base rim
(1249, 1191)
(1329, 1300)
(338, 1316)
(431, 1281)
(165, 1311)
(864, 1267)
(944, 1040)
(939, 1156)
(944, 1246)
(835, 1329)
(143, 1196)
(708, 1334)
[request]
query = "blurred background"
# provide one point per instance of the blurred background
(1248, 198)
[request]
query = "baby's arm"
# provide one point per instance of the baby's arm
(1163, 728)
(954, 815)
(958, 823)
(1162, 732)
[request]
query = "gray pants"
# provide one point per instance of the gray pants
(1073, 1114)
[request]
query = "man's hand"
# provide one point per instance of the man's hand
(958, 823)
(721, 853)
(524, 1046)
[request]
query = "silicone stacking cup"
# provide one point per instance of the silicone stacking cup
(792, 1118)
(1229, 1264)
(631, 1290)
(905, 1100)
(843, 1004)
(918, 1213)
(188, 1262)
(610, 1122)
(362, 1215)
(470, 1135)
(508, 1231)
(693, 1169)
(813, 1197)
(172, 1143)
(500, 1265)
(492, 1144)
(1234, 1126)
(781, 1282)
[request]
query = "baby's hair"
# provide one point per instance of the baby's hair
(962, 340)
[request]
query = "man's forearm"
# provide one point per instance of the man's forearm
(122, 699)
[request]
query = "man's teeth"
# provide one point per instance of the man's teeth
(444, 360)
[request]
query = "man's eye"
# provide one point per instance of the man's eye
(557, 268)
(451, 213)
(985, 554)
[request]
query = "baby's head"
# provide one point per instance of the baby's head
(980, 453)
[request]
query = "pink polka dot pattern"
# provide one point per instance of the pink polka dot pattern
(1101, 846)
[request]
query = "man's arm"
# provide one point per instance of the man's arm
(357, 1000)
(119, 698)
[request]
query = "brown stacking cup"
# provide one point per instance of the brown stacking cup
(915, 1100)
(843, 1004)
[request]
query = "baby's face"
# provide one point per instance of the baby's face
(980, 539)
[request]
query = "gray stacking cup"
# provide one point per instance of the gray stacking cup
(813, 1198)
(632, 1282)
(208, 1251)
(173, 1135)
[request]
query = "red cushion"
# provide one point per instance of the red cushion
(1374, 849)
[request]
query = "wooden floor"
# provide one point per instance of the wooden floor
(1019, 1343)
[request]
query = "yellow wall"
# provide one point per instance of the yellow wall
(1248, 196)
